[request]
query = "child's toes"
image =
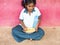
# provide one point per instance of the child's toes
(31, 39)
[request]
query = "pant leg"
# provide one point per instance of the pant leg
(19, 32)
(37, 35)
(16, 37)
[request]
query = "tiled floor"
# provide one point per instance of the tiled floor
(52, 37)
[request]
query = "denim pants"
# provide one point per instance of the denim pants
(19, 35)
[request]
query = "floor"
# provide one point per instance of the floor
(51, 37)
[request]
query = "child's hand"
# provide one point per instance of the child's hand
(24, 29)
(36, 29)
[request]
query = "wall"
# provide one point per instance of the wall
(10, 10)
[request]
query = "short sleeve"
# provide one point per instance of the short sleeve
(37, 11)
(21, 17)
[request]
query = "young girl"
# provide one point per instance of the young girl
(29, 18)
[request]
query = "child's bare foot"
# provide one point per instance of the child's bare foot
(31, 39)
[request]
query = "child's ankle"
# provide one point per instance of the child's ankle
(31, 39)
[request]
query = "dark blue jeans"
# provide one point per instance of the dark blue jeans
(19, 35)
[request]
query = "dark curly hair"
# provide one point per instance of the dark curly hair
(26, 2)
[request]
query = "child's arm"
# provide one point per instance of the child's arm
(24, 27)
(37, 25)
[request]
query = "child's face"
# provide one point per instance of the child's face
(30, 7)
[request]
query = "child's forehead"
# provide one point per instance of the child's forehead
(31, 4)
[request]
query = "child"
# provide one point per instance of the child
(29, 18)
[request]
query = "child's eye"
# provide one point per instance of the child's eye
(29, 6)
